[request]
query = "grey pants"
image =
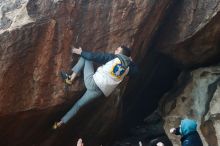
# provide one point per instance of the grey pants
(92, 91)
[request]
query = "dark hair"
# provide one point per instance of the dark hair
(126, 51)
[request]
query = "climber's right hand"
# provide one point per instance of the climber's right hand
(77, 50)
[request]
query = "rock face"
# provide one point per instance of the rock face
(36, 36)
(35, 41)
(13, 13)
(191, 32)
(198, 99)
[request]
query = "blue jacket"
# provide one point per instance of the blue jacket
(103, 58)
(189, 135)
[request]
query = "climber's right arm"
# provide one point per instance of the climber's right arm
(94, 56)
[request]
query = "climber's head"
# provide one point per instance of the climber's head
(123, 50)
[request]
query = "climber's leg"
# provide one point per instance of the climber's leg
(89, 96)
(68, 79)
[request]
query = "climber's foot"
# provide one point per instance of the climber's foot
(57, 125)
(66, 78)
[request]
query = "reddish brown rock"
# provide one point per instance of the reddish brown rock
(35, 41)
(35, 46)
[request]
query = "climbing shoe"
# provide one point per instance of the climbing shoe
(65, 77)
(56, 125)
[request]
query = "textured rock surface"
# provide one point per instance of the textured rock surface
(35, 40)
(13, 13)
(198, 99)
(191, 32)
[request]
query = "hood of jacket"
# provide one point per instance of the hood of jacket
(187, 126)
(124, 60)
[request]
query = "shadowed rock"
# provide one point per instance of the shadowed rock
(35, 41)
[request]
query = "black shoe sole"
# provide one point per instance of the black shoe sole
(63, 75)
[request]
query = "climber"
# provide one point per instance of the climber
(188, 132)
(115, 67)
